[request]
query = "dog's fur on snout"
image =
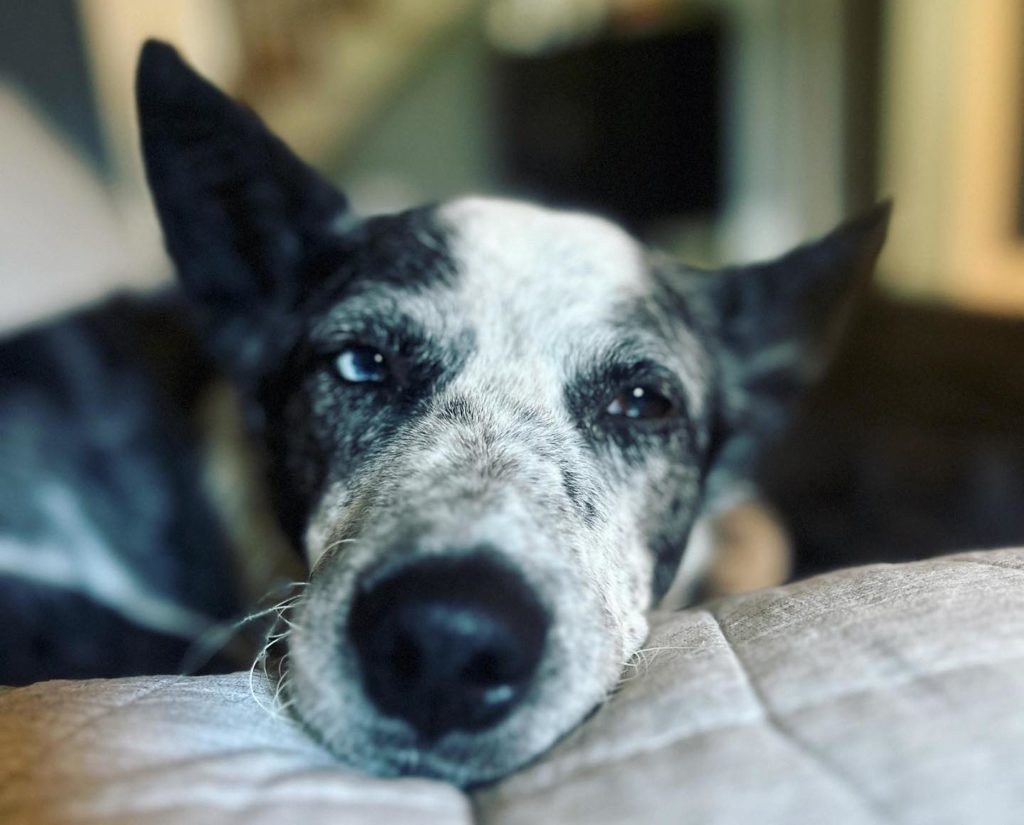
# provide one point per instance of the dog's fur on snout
(507, 329)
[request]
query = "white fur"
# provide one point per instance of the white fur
(544, 294)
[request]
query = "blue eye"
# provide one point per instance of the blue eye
(640, 403)
(362, 365)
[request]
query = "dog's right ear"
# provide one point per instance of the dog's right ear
(244, 220)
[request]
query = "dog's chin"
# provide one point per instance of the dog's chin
(356, 733)
(456, 766)
(462, 759)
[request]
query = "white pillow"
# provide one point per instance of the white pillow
(877, 694)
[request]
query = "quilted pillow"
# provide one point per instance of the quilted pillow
(876, 694)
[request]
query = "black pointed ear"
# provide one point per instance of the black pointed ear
(776, 325)
(244, 219)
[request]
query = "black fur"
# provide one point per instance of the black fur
(244, 220)
(278, 276)
(795, 307)
(99, 407)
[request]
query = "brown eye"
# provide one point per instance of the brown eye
(640, 403)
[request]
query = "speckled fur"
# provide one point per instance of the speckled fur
(508, 329)
(501, 455)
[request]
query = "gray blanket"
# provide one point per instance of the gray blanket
(872, 695)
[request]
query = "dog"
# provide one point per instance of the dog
(488, 426)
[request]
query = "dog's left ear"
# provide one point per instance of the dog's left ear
(774, 327)
(244, 220)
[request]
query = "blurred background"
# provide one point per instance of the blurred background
(722, 130)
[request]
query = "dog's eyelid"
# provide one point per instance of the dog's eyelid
(608, 394)
(653, 376)
(330, 344)
(649, 373)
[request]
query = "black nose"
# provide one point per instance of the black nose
(448, 642)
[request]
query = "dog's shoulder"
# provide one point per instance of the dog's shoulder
(104, 520)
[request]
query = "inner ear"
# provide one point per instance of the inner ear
(244, 220)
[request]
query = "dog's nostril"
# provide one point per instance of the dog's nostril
(483, 670)
(406, 662)
(448, 643)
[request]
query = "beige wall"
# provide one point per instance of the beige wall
(952, 150)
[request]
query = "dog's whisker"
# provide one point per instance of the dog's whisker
(338, 543)
(640, 662)
(326, 553)
(262, 660)
(252, 689)
(274, 635)
(219, 636)
(281, 682)
(291, 625)
(663, 648)
(285, 707)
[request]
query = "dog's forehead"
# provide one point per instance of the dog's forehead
(520, 296)
(524, 261)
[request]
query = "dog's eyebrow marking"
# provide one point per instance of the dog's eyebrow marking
(667, 336)
(378, 319)
(415, 325)
(627, 353)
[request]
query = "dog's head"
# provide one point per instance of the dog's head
(490, 426)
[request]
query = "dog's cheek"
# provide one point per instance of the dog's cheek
(666, 511)
(321, 676)
(633, 614)
(294, 460)
(318, 432)
(303, 448)
(635, 626)
(624, 571)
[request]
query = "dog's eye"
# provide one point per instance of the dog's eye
(362, 365)
(640, 403)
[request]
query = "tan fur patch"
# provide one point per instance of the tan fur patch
(751, 549)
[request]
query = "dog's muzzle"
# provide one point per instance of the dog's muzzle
(447, 642)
